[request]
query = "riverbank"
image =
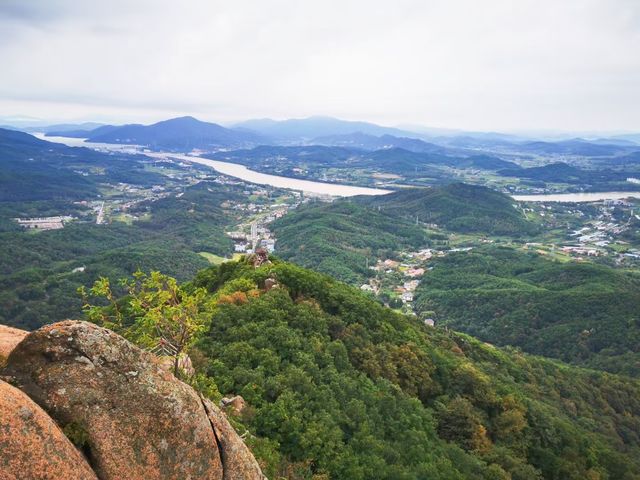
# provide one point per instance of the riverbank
(576, 197)
(313, 187)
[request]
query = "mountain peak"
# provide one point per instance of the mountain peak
(181, 133)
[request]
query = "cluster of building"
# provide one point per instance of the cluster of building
(259, 237)
(594, 238)
(581, 251)
(44, 223)
(404, 274)
(401, 278)
(258, 234)
(602, 227)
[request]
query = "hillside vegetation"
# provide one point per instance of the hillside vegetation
(341, 386)
(33, 170)
(338, 238)
(458, 207)
(578, 312)
(39, 273)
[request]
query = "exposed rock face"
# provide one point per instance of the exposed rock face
(234, 404)
(270, 283)
(9, 338)
(32, 446)
(238, 462)
(141, 421)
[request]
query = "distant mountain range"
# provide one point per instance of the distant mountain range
(577, 146)
(630, 137)
(180, 134)
(65, 128)
(308, 128)
(81, 132)
(188, 133)
(371, 142)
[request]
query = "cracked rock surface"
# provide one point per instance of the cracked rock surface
(32, 446)
(137, 420)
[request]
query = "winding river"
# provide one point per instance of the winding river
(318, 188)
(307, 186)
(233, 170)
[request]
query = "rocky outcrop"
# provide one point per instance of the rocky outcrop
(237, 460)
(138, 419)
(234, 405)
(32, 446)
(9, 338)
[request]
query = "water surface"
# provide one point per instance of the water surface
(232, 169)
(576, 197)
(318, 188)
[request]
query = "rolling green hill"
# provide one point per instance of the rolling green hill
(458, 207)
(340, 387)
(405, 160)
(39, 273)
(578, 312)
(338, 238)
(33, 170)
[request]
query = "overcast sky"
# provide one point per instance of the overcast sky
(473, 64)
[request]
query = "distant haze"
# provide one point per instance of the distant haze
(499, 65)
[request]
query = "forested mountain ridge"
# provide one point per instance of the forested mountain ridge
(458, 207)
(344, 387)
(182, 134)
(582, 313)
(346, 236)
(340, 238)
(35, 170)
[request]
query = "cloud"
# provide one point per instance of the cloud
(25, 11)
(495, 64)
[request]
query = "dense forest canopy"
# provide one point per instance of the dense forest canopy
(342, 237)
(39, 273)
(341, 386)
(458, 207)
(579, 312)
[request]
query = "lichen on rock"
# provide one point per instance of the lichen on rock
(141, 422)
(120, 406)
(32, 446)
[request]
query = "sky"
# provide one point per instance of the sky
(486, 65)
